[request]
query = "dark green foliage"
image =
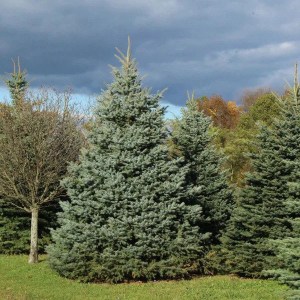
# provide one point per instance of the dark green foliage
(127, 218)
(205, 177)
(265, 110)
(262, 213)
(15, 228)
(288, 248)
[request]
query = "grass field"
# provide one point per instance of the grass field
(18, 280)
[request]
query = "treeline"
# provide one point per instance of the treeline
(218, 193)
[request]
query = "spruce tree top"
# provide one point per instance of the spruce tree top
(125, 103)
(17, 84)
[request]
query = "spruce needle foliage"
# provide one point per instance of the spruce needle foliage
(264, 213)
(287, 249)
(206, 180)
(128, 218)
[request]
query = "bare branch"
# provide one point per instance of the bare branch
(37, 141)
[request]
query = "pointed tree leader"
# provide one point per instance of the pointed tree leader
(17, 85)
(38, 138)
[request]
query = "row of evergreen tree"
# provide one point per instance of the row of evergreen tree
(135, 212)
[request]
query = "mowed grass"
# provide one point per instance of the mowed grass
(18, 280)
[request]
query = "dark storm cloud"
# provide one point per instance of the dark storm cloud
(208, 46)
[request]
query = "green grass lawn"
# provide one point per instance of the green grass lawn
(18, 280)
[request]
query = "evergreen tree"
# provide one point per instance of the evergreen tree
(262, 213)
(15, 228)
(17, 84)
(287, 249)
(127, 218)
(194, 139)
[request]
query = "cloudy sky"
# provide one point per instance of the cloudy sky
(211, 47)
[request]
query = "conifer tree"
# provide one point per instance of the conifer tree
(15, 228)
(127, 218)
(193, 138)
(287, 249)
(18, 85)
(263, 213)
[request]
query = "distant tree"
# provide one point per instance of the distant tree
(223, 114)
(265, 110)
(15, 222)
(174, 151)
(38, 137)
(240, 141)
(234, 112)
(127, 218)
(250, 96)
(14, 233)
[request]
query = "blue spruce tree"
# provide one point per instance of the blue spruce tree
(128, 218)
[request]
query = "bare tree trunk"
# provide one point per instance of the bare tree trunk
(33, 256)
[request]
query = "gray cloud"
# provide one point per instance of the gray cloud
(208, 46)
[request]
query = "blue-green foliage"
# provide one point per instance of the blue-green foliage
(128, 217)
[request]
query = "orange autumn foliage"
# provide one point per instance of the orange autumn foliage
(223, 114)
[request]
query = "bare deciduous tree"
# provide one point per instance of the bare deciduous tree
(250, 96)
(39, 136)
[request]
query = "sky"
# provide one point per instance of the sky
(206, 46)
